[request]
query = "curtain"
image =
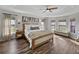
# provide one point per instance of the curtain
(72, 26)
(6, 26)
(62, 26)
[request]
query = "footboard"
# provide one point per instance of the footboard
(36, 42)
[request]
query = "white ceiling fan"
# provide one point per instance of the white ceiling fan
(50, 8)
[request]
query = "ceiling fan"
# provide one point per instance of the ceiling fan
(50, 8)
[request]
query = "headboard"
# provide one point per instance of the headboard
(31, 28)
(34, 28)
(30, 23)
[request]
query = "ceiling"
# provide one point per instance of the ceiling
(37, 10)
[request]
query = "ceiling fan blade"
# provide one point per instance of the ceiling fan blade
(50, 10)
(54, 8)
(44, 11)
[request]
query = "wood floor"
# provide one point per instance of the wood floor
(61, 45)
(21, 46)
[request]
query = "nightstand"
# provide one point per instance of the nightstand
(19, 34)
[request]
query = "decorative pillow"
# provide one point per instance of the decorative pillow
(34, 28)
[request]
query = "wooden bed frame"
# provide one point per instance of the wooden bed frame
(43, 42)
(38, 38)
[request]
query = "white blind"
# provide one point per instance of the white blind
(62, 23)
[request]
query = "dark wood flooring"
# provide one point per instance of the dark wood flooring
(21, 46)
(61, 45)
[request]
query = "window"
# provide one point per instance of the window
(62, 26)
(13, 26)
(62, 23)
(42, 25)
(29, 19)
(53, 25)
(8, 27)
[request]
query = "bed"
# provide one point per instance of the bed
(37, 37)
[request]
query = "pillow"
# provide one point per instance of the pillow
(34, 28)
